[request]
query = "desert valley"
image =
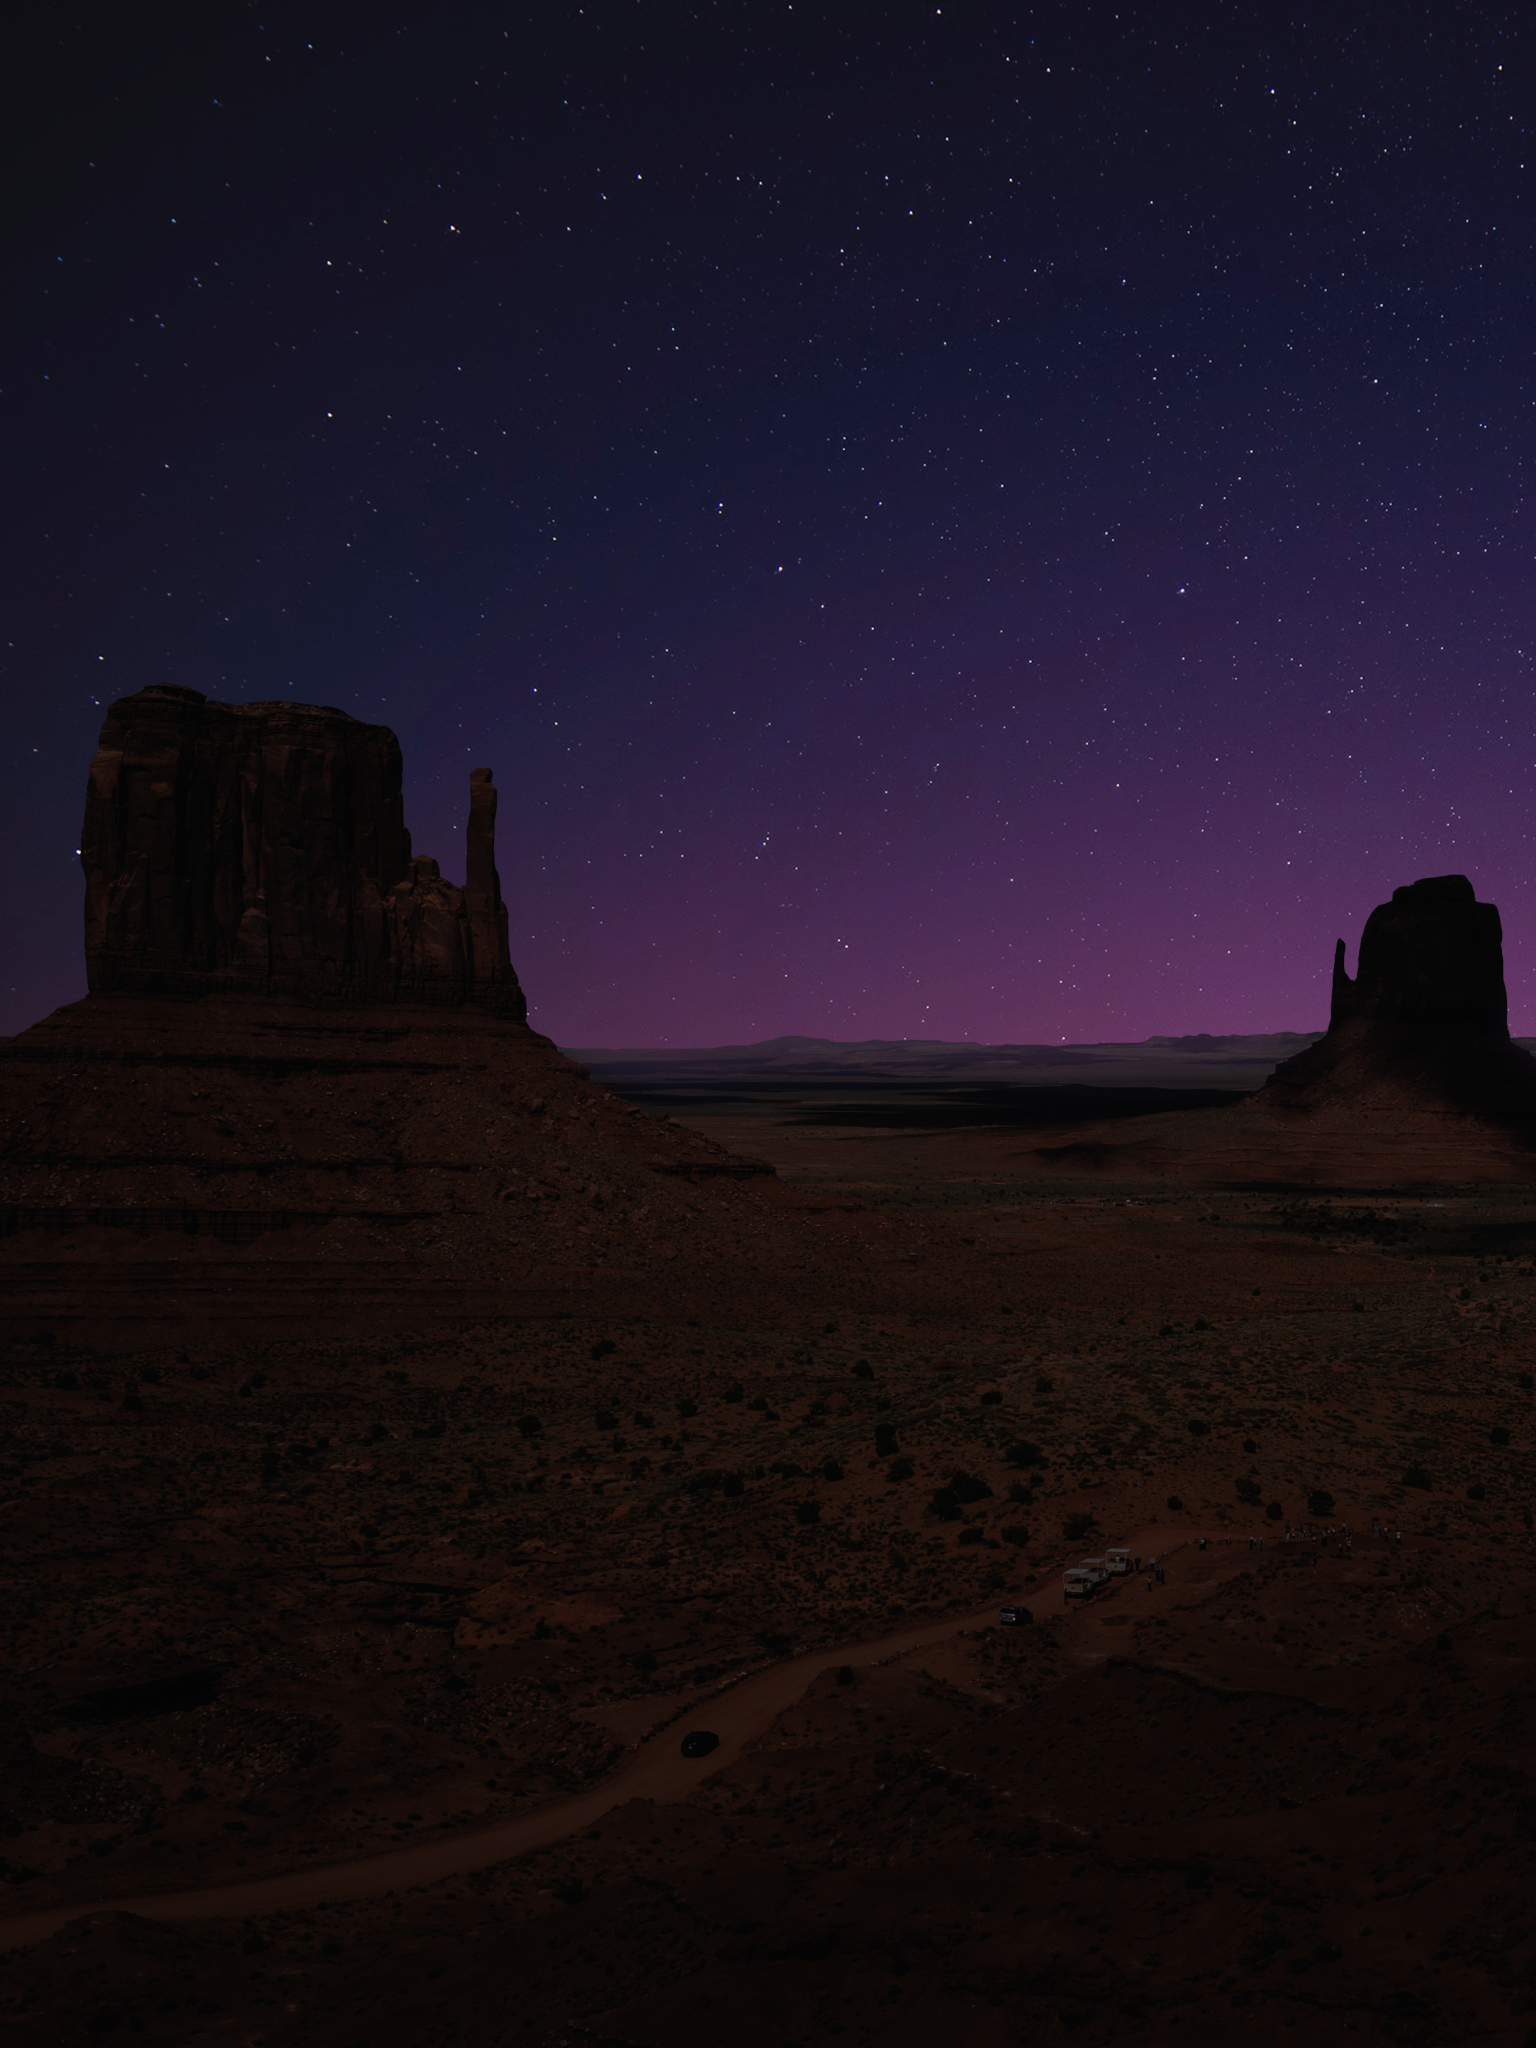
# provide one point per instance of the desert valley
(413, 1433)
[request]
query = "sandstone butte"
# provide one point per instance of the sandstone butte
(1416, 1080)
(302, 1086)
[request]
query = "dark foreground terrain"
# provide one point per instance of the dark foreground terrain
(275, 1605)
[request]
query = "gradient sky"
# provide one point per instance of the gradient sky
(989, 523)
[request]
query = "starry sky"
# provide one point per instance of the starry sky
(988, 522)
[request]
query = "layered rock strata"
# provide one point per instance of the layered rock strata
(303, 1090)
(262, 848)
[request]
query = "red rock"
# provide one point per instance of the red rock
(262, 848)
(1424, 1025)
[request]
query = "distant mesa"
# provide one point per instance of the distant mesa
(262, 849)
(1424, 1024)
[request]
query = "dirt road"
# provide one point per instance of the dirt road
(657, 1770)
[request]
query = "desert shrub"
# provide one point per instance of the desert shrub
(1044, 1384)
(734, 1392)
(1320, 1501)
(785, 1468)
(900, 1468)
(604, 1420)
(1175, 1503)
(971, 1535)
(1197, 1427)
(641, 1420)
(808, 1513)
(1016, 1534)
(1077, 1526)
(832, 1469)
(967, 1487)
(603, 1348)
(1274, 1511)
(530, 1425)
(1249, 1490)
(845, 1674)
(944, 1502)
(1527, 1381)
(776, 1643)
(863, 1370)
(1019, 1492)
(885, 1439)
(1249, 1447)
(1022, 1454)
(685, 1408)
(1498, 1434)
(732, 1485)
(1416, 1476)
(644, 1662)
(1477, 1490)
(991, 1398)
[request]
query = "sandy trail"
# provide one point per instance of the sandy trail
(656, 1771)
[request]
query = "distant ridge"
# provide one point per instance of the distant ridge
(937, 1082)
(1258, 1044)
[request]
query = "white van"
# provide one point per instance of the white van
(1077, 1584)
(1119, 1562)
(1097, 1569)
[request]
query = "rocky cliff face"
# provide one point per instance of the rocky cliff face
(1425, 1021)
(1433, 958)
(262, 848)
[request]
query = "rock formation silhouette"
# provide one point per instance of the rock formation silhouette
(1424, 1024)
(303, 1088)
(261, 848)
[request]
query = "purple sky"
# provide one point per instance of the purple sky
(951, 529)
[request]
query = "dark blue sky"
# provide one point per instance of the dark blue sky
(1008, 524)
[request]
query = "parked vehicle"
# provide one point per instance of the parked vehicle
(700, 1741)
(1098, 1567)
(1119, 1562)
(1015, 1617)
(1076, 1584)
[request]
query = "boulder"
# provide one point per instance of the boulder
(262, 848)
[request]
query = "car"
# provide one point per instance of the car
(700, 1741)
(1014, 1617)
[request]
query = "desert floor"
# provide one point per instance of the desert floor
(449, 1597)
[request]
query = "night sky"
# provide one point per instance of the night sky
(990, 523)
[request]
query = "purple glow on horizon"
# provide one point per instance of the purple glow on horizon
(975, 533)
